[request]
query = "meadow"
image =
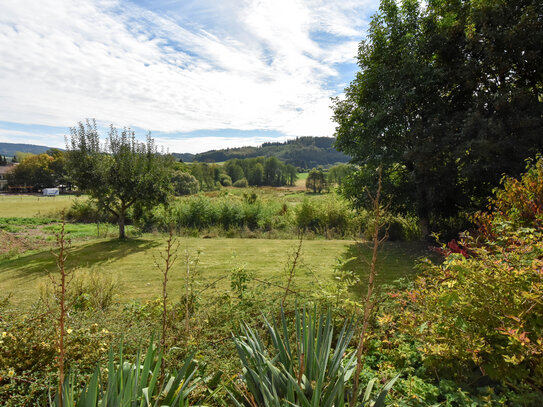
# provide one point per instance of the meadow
(237, 262)
(115, 290)
(131, 263)
(28, 206)
(95, 249)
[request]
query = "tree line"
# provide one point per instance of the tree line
(258, 171)
(302, 152)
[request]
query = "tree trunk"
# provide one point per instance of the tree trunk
(122, 234)
(422, 207)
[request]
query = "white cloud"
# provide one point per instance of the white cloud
(65, 60)
(27, 137)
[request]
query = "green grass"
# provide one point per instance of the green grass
(29, 206)
(131, 262)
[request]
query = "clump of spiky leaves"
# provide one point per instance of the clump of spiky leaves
(309, 372)
(133, 384)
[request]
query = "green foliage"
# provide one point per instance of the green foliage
(310, 371)
(125, 174)
(450, 92)
(329, 216)
(303, 152)
(184, 183)
(482, 306)
(209, 176)
(225, 180)
(316, 180)
(39, 171)
(92, 291)
(128, 384)
(338, 173)
(241, 183)
(239, 279)
(87, 211)
(519, 203)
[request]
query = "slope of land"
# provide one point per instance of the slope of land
(9, 149)
(304, 152)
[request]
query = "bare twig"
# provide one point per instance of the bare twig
(292, 269)
(169, 256)
(189, 277)
(369, 304)
(276, 285)
(60, 295)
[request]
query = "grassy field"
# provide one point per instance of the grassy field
(24, 268)
(28, 206)
(131, 263)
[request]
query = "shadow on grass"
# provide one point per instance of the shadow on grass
(85, 255)
(395, 260)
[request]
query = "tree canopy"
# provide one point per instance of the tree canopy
(121, 173)
(316, 180)
(448, 98)
(39, 171)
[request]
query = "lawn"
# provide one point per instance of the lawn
(131, 263)
(28, 206)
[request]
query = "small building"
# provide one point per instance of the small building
(50, 191)
(4, 176)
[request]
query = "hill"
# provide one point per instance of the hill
(9, 149)
(304, 152)
(185, 157)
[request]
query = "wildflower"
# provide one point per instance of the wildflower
(4, 334)
(69, 331)
(11, 372)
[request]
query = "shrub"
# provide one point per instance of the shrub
(86, 211)
(241, 183)
(308, 372)
(200, 213)
(92, 291)
(131, 384)
(230, 214)
(184, 183)
(518, 202)
(307, 216)
(482, 306)
(252, 215)
(225, 180)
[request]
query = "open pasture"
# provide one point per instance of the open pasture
(28, 206)
(131, 263)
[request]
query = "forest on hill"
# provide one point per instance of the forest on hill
(9, 149)
(303, 152)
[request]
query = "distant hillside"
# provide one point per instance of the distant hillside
(9, 149)
(185, 157)
(304, 152)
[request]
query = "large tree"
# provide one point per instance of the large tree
(448, 99)
(121, 173)
(35, 171)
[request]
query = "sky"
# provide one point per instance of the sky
(197, 74)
